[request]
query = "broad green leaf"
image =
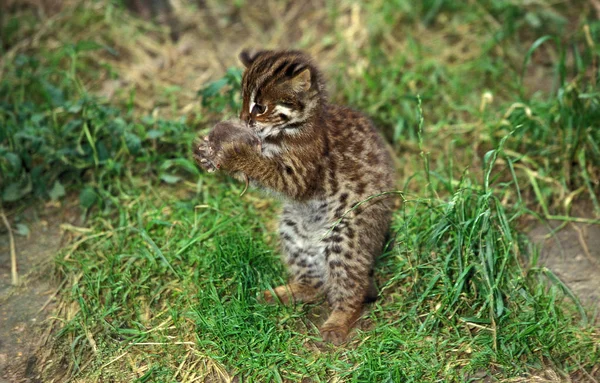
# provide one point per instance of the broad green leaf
(213, 88)
(22, 229)
(12, 192)
(169, 178)
(55, 95)
(154, 133)
(57, 191)
(134, 144)
(181, 163)
(14, 161)
(87, 197)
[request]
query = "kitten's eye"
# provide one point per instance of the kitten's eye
(257, 109)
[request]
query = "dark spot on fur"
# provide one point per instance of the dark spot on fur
(336, 248)
(336, 238)
(326, 147)
(360, 188)
(358, 147)
(343, 198)
(350, 233)
(351, 274)
(304, 277)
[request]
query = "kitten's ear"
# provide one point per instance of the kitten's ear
(247, 57)
(301, 81)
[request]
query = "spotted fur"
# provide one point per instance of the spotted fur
(331, 166)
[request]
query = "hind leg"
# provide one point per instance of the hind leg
(347, 289)
(347, 292)
(305, 263)
(293, 292)
(305, 283)
(350, 254)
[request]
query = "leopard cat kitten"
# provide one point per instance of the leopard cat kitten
(331, 167)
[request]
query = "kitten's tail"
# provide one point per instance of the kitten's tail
(389, 243)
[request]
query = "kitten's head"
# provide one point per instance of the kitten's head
(281, 91)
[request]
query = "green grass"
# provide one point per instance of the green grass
(164, 286)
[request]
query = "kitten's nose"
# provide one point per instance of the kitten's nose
(248, 118)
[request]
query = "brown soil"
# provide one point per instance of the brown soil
(24, 308)
(573, 254)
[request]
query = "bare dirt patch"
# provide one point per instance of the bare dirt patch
(573, 254)
(24, 308)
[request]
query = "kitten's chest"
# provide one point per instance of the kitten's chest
(270, 150)
(311, 219)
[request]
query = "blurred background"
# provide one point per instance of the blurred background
(471, 63)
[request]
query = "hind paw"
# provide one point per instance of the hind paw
(334, 333)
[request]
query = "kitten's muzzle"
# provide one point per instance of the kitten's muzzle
(248, 118)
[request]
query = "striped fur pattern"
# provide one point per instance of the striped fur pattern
(327, 162)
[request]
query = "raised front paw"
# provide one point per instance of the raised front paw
(226, 141)
(205, 155)
(334, 333)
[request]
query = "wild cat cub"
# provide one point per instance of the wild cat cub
(330, 166)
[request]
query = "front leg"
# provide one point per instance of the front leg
(278, 174)
(204, 155)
